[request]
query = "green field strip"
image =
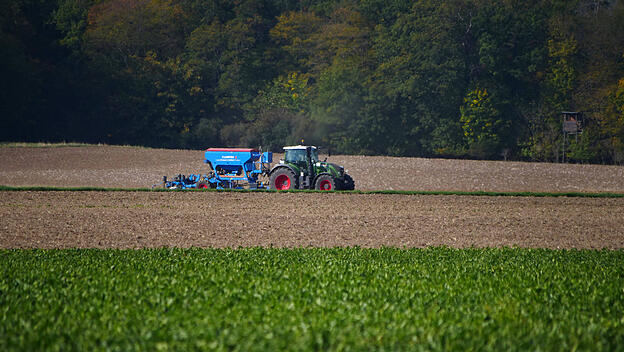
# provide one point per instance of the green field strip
(310, 299)
(447, 193)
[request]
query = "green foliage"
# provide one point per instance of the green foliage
(613, 124)
(559, 81)
(311, 299)
(561, 76)
(582, 147)
(295, 33)
(71, 19)
(337, 106)
(372, 76)
(271, 129)
(127, 28)
(485, 125)
(290, 92)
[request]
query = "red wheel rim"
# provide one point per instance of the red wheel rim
(326, 185)
(203, 186)
(282, 182)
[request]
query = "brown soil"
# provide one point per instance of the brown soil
(209, 219)
(139, 219)
(130, 167)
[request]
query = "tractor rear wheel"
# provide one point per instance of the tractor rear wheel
(282, 179)
(325, 183)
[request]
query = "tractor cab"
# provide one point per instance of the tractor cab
(299, 155)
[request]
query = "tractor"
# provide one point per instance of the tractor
(302, 169)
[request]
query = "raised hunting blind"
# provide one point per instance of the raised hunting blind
(572, 122)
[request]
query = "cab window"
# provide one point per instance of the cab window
(314, 155)
(295, 155)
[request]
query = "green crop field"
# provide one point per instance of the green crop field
(312, 299)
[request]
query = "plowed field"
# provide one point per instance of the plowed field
(208, 219)
(107, 166)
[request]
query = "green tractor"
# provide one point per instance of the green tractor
(302, 169)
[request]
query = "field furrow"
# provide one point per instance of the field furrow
(217, 219)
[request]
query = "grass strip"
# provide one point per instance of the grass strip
(456, 193)
(256, 299)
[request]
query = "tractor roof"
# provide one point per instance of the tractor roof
(299, 147)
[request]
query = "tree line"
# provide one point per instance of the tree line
(451, 78)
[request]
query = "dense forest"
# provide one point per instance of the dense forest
(451, 78)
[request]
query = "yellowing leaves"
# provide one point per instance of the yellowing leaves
(315, 42)
(134, 27)
(287, 92)
(483, 123)
(295, 32)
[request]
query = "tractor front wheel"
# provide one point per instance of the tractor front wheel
(325, 183)
(282, 179)
(349, 184)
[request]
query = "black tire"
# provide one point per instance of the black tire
(325, 183)
(349, 184)
(284, 178)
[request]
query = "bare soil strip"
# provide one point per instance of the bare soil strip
(207, 219)
(139, 219)
(107, 166)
